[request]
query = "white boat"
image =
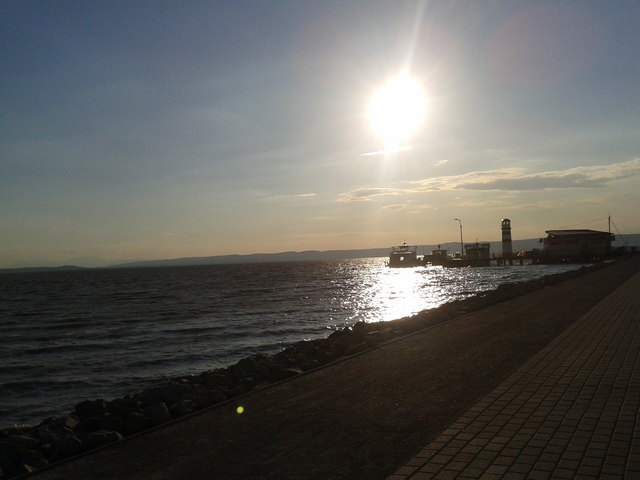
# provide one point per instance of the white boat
(404, 256)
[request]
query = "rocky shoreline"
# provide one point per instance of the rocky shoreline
(94, 423)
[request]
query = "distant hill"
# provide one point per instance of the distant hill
(41, 269)
(496, 247)
(260, 258)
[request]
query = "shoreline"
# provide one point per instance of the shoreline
(96, 423)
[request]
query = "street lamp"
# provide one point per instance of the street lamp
(461, 243)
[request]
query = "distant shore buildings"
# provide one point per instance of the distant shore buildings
(560, 246)
(577, 245)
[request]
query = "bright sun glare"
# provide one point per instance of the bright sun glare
(396, 111)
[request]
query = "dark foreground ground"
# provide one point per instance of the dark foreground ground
(360, 418)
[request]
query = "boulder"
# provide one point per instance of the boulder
(15, 446)
(90, 424)
(136, 422)
(90, 408)
(108, 421)
(210, 397)
(123, 407)
(17, 470)
(67, 447)
(34, 461)
(53, 431)
(214, 379)
(158, 413)
(182, 408)
(360, 328)
(169, 393)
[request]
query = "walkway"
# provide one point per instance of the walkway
(569, 412)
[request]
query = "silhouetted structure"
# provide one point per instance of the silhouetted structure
(478, 254)
(440, 256)
(507, 249)
(404, 256)
(576, 245)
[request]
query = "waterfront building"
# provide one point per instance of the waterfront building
(577, 245)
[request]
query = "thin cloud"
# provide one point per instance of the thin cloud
(488, 203)
(368, 194)
(509, 180)
(441, 162)
(516, 179)
(389, 151)
(295, 195)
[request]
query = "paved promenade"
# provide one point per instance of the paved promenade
(569, 412)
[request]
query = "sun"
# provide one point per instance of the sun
(396, 110)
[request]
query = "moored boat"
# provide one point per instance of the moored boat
(404, 256)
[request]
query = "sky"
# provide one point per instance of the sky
(141, 130)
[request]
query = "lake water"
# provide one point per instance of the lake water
(68, 336)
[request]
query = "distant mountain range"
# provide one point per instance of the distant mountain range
(312, 255)
(452, 247)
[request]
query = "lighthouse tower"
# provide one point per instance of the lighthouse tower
(507, 249)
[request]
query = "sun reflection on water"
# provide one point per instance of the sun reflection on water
(385, 294)
(398, 293)
(378, 293)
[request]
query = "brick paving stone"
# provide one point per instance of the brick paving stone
(463, 457)
(406, 471)
(545, 466)
(569, 464)
(415, 462)
(471, 449)
(564, 473)
(487, 455)
(613, 470)
(472, 472)
(457, 466)
(441, 459)
(431, 468)
(514, 476)
(449, 451)
(612, 460)
(421, 476)
(588, 471)
(427, 452)
(520, 467)
(570, 411)
(550, 457)
(446, 475)
(537, 475)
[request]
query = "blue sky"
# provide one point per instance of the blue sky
(143, 130)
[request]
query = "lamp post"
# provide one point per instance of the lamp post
(461, 243)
